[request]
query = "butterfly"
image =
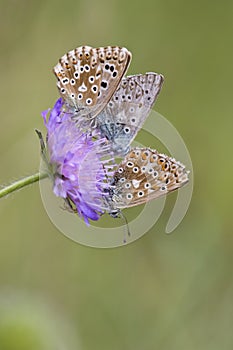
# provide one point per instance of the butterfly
(88, 77)
(128, 109)
(143, 175)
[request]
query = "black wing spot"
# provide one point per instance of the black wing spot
(104, 84)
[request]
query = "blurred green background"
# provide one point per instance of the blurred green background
(163, 291)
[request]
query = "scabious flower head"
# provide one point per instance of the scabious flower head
(79, 163)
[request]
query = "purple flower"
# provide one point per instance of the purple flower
(78, 163)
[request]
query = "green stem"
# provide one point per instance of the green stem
(15, 186)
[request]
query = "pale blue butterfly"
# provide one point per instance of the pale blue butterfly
(128, 109)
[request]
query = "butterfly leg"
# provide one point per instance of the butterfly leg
(117, 213)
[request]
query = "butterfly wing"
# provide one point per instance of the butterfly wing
(144, 175)
(128, 109)
(87, 77)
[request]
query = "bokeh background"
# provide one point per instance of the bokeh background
(163, 291)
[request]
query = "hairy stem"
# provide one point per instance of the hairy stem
(15, 186)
